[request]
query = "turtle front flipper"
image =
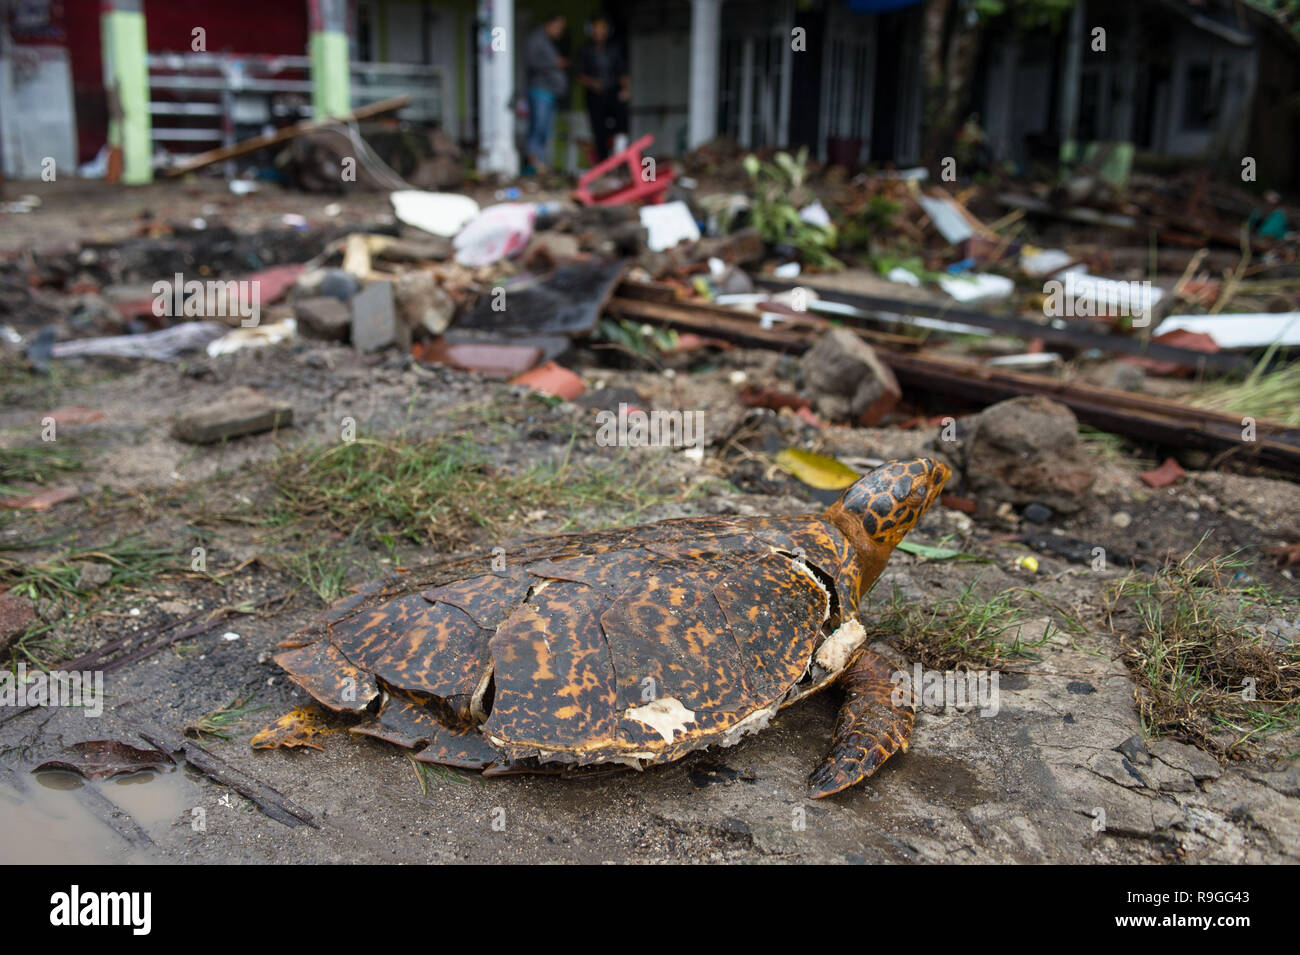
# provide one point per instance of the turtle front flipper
(870, 727)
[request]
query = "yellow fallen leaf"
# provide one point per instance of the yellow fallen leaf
(299, 727)
(816, 470)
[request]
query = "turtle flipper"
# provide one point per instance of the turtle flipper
(870, 727)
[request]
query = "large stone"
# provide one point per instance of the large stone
(421, 302)
(374, 319)
(846, 381)
(243, 411)
(323, 316)
(1026, 451)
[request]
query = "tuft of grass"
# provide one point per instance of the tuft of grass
(323, 569)
(36, 464)
(424, 772)
(435, 491)
(220, 723)
(966, 632)
(1204, 671)
(1274, 395)
(133, 564)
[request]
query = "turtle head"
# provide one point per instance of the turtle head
(888, 502)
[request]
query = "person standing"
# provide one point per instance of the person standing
(547, 84)
(602, 71)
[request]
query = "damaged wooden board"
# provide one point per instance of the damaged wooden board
(1070, 335)
(568, 301)
(1120, 412)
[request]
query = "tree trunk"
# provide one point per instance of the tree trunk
(949, 54)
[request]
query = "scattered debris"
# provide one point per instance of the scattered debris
(169, 344)
(1168, 473)
(16, 615)
(552, 379)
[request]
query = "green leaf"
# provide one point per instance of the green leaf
(937, 553)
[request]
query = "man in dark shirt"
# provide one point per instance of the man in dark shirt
(602, 71)
(547, 84)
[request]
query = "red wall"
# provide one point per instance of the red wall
(233, 26)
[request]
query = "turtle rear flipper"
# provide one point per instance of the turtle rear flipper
(870, 727)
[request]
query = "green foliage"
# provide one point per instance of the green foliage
(642, 340)
(1027, 14)
(779, 193)
(874, 219)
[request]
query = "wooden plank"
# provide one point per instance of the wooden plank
(1164, 422)
(1121, 412)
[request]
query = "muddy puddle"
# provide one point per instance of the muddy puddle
(59, 817)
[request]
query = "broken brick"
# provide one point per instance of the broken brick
(244, 411)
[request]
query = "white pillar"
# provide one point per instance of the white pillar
(496, 83)
(706, 22)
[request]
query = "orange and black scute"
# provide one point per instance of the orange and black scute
(631, 646)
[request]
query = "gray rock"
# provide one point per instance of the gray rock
(846, 381)
(1279, 634)
(1037, 513)
(1167, 779)
(94, 575)
(374, 319)
(16, 615)
(339, 284)
(1026, 451)
(1135, 749)
(1112, 765)
(1285, 780)
(323, 316)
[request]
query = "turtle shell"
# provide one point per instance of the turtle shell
(633, 645)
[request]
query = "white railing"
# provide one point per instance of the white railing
(219, 98)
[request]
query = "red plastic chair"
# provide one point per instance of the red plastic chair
(638, 190)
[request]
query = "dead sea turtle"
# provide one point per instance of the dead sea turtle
(631, 646)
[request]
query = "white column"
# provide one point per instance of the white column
(706, 21)
(496, 83)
